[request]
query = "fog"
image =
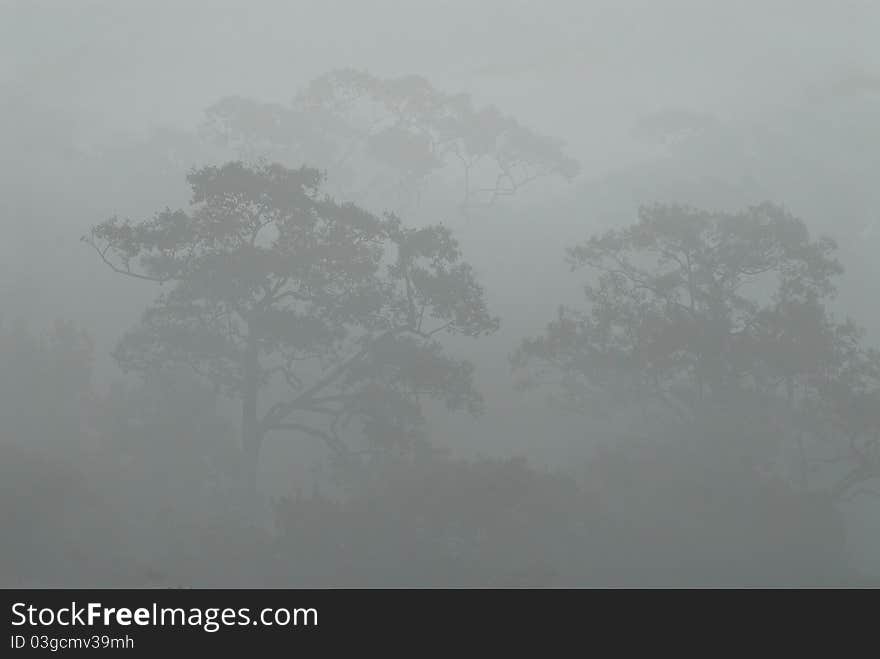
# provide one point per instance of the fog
(562, 293)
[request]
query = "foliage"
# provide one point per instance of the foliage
(318, 315)
(398, 131)
(45, 381)
(709, 317)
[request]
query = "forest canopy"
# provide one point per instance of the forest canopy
(439, 294)
(318, 316)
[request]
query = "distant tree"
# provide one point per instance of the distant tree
(280, 133)
(401, 130)
(317, 315)
(704, 314)
(45, 381)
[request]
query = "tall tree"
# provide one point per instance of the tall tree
(45, 382)
(399, 131)
(321, 318)
(699, 313)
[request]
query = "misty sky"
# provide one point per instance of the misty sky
(585, 68)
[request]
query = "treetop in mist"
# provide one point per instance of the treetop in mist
(350, 122)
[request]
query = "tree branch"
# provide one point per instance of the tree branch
(127, 271)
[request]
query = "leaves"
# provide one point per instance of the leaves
(686, 295)
(710, 318)
(344, 307)
(397, 131)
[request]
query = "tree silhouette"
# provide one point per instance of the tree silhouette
(399, 131)
(45, 381)
(320, 317)
(699, 314)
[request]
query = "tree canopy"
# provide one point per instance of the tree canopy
(395, 133)
(321, 317)
(696, 313)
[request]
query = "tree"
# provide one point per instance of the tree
(436, 521)
(320, 317)
(45, 382)
(400, 131)
(714, 319)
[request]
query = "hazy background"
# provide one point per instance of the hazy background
(100, 108)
